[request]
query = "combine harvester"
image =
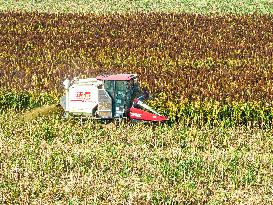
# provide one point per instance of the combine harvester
(111, 97)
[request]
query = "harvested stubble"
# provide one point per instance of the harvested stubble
(50, 160)
(39, 111)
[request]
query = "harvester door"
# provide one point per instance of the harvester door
(109, 86)
(121, 99)
(105, 105)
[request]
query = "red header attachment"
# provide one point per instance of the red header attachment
(139, 114)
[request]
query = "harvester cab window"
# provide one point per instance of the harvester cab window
(109, 86)
(121, 85)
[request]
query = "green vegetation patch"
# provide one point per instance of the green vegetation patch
(123, 6)
(21, 100)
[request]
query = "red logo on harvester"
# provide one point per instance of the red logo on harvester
(83, 96)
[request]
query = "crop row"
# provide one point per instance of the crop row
(188, 56)
(201, 113)
(183, 57)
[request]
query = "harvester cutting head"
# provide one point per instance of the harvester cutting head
(107, 97)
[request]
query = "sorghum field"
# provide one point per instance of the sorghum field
(211, 74)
